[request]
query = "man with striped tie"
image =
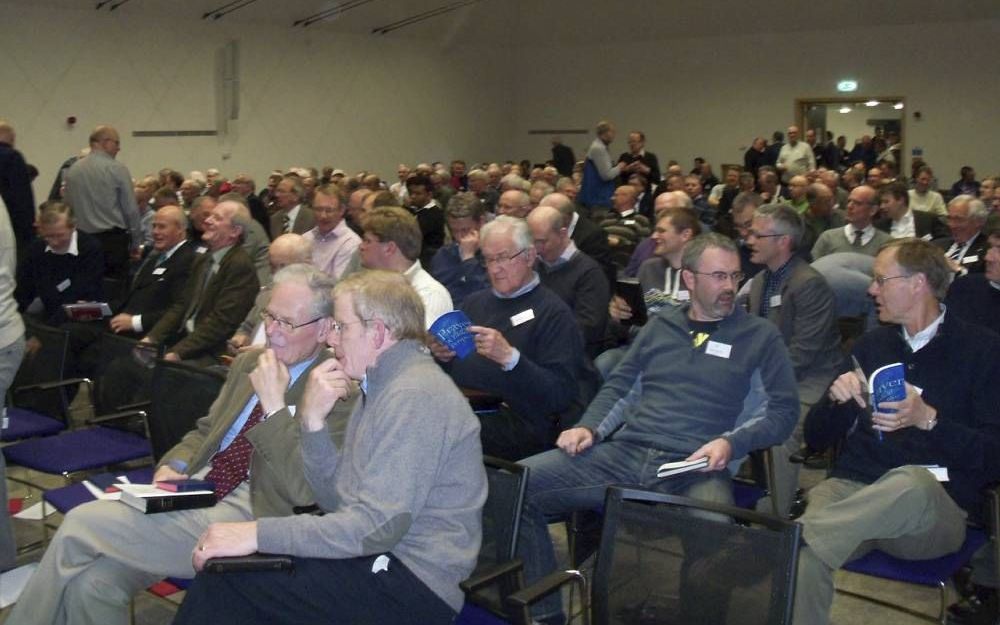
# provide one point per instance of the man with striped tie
(967, 246)
(105, 552)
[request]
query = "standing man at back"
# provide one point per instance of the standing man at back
(99, 189)
(599, 172)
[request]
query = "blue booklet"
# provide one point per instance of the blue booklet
(886, 384)
(452, 329)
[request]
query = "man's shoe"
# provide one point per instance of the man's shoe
(979, 608)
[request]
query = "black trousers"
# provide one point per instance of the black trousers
(116, 244)
(316, 591)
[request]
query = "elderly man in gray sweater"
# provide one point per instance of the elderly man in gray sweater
(403, 498)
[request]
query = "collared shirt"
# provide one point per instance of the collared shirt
(773, 281)
(163, 257)
(292, 215)
(100, 190)
(436, 299)
(565, 257)
(918, 340)
(905, 227)
(866, 235)
(72, 250)
(332, 251)
(535, 281)
(957, 251)
(573, 222)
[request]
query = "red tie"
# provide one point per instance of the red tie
(231, 465)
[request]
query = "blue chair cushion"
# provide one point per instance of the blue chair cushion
(27, 424)
(472, 614)
(924, 572)
(66, 498)
(78, 450)
(746, 496)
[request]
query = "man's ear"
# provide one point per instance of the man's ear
(688, 276)
(378, 333)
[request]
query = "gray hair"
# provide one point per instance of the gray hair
(694, 249)
(976, 207)
(318, 282)
(464, 205)
(744, 199)
(505, 224)
(785, 220)
(387, 296)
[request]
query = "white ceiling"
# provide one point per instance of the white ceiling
(567, 21)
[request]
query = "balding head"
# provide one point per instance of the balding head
(515, 203)
(169, 228)
(550, 236)
(289, 249)
(105, 139)
(669, 200)
(6, 133)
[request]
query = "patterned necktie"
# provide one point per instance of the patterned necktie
(231, 465)
(286, 224)
(858, 234)
(955, 253)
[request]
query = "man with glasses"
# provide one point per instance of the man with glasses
(334, 243)
(858, 235)
(247, 445)
(529, 349)
(966, 247)
(797, 299)
(700, 363)
(880, 493)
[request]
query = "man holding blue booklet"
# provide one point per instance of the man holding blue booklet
(880, 494)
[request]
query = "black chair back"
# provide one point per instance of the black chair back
(180, 395)
(114, 347)
(667, 559)
(46, 363)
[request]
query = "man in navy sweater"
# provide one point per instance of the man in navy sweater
(879, 495)
(699, 363)
(529, 349)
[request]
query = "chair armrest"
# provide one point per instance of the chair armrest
(252, 562)
(116, 416)
(139, 405)
(519, 603)
(492, 575)
(48, 386)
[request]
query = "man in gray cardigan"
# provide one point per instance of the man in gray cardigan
(797, 299)
(403, 495)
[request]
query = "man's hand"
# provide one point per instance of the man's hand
(270, 381)
(911, 411)
(618, 309)
(328, 383)
(575, 440)
(121, 322)
(440, 352)
(718, 452)
(235, 344)
(168, 473)
(32, 345)
(850, 385)
(468, 244)
(491, 344)
(171, 357)
(225, 539)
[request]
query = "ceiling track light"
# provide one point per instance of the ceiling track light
(420, 17)
(331, 12)
(111, 4)
(226, 9)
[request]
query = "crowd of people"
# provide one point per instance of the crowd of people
(624, 314)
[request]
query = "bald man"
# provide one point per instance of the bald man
(15, 189)
(100, 190)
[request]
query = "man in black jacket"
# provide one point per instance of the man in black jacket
(15, 189)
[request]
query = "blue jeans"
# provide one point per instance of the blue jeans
(559, 484)
(10, 360)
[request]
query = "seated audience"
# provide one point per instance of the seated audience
(967, 184)
(859, 235)
(879, 493)
(744, 207)
(976, 297)
(572, 275)
(291, 213)
(966, 247)
(529, 350)
(588, 236)
(923, 197)
(819, 217)
(104, 551)
(624, 225)
(514, 203)
(645, 249)
(429, 214)
(698, 363)
(458, 265)
(63, 265)
(391, 241)
(403, 504)
(333, 241)
(901, 221)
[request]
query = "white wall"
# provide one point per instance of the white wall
(710, 96)
(308, 97)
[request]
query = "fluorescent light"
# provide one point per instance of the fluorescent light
(847, 85)
(871, 103)
(898, 106)
(845, 109)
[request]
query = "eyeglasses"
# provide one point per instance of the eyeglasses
(762, 235)
(722, 276)
(881, 280)
(338, 326)
(283, 324)
(502, 259)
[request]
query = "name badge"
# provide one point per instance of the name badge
(629, 222)
(159, 271)
(521, 317)
(926, 237)
(968, 260)
(683, 296)
(775, 301)
(718, 349)
(62, 286)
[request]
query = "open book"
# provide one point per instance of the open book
(674, 468)
(87, 311)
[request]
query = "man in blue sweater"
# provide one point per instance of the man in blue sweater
(879, 494)
(698, 362)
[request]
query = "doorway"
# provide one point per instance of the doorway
(881, 118)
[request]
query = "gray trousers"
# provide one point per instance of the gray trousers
(10, 360)
(105, 551)
(906, 513)
(786, 472)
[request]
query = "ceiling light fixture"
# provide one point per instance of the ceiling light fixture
(871, 103)
(847, 85)
(845, 109)
(898, 106)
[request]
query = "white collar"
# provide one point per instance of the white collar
(72, 250)
(922, 338)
